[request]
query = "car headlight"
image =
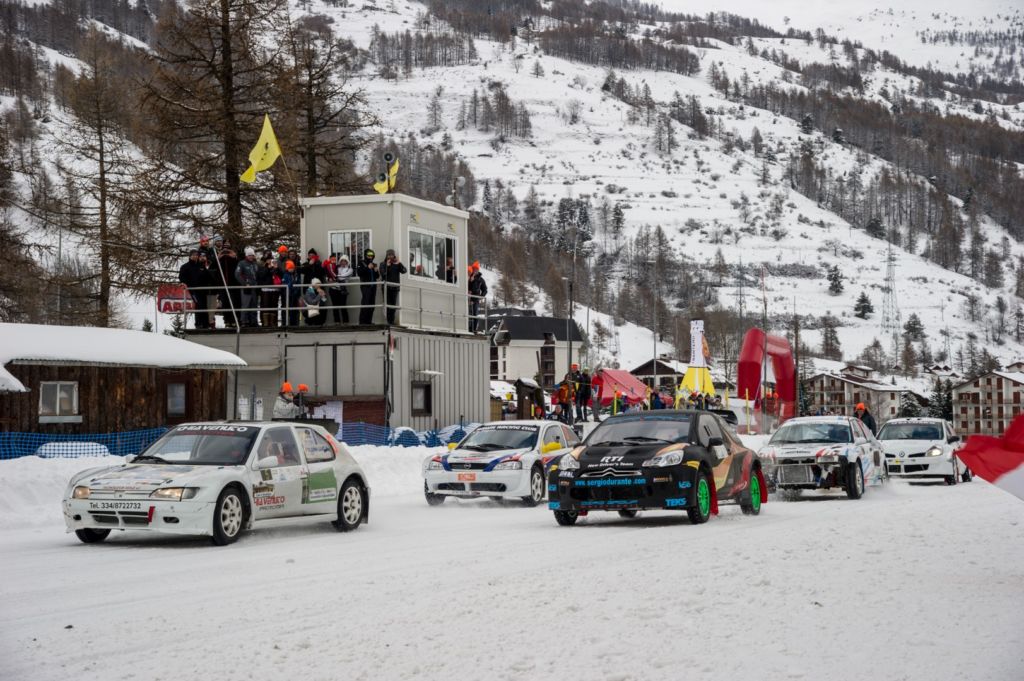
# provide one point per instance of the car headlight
(434, 465)
(509, 466)
(174, 493)
(670, 459)
(568, 463)
(934, 451)
(80, 492)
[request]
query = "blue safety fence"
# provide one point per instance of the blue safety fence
(71, 446)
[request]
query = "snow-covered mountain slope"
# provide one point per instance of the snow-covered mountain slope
(705, 197)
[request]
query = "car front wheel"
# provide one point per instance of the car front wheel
(88, 536)
(536, 488)
(750, 503)
(350, 507)
(228, 517)
(700, 510)
(854, 480)
(432, 499)
(566, 518)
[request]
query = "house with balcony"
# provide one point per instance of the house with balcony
(986, 405)
(839, 392)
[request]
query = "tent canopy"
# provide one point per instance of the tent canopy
(607, 381)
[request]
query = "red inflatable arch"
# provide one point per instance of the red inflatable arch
(748, 372)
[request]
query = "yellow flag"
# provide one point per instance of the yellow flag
(393, 174)
(264, 154)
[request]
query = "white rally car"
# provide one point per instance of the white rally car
(500, 460)
(218, 479)
(823, 452)
(922, 448)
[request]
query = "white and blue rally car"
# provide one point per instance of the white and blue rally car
(499, 460)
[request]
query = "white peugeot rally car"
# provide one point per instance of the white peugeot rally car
(501, 460)
(219, 479)
(823, 452)
(922, 448)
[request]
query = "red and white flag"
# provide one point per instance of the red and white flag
(1000, 460)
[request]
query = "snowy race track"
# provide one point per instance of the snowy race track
(911, 582)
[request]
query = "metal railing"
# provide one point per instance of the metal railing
(284, 306)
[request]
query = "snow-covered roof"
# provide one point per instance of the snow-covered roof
(91, 345)
(1015, 376)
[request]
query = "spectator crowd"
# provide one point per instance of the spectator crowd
(277, 288)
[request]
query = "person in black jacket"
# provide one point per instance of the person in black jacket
(193, 276)
(583, 394)
(369, 275)
(393, 270)
(477, 291)
(313, 268)
(866, 418)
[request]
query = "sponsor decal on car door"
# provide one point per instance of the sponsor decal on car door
(320, 488)
(279, 479)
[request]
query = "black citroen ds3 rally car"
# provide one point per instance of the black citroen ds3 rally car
(661, 459)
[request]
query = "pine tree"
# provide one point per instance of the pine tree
(830, 346)
(908, 359)
(538, 70)
(435, 113)
(147, 325)
(807, 124)
(936, 401)
(913, 329)
(204, 106)
(909, 406)
(875, 228)
(835, 280)
(863, 307)
(618, 222)
(756, 141)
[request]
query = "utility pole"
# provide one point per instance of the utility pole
(764, 354)
(796, 355)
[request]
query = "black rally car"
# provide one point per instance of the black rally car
(662, 459)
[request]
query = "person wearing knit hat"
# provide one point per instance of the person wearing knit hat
(477, 292)
(391, 272)
(312, 298)
(289, 277)
(343, 273)
(866, 418)
(247, 275)
(284, 405)
(369, 275)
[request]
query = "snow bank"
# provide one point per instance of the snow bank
(33, 487)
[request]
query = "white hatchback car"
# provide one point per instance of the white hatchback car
(218, 479)
(501, 460)
(922, 448)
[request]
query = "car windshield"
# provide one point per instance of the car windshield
(207, 445)
(619, 431)
(492, 438)
(800, 433)
(910, 431)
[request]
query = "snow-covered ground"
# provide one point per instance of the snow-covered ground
(911, 582)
